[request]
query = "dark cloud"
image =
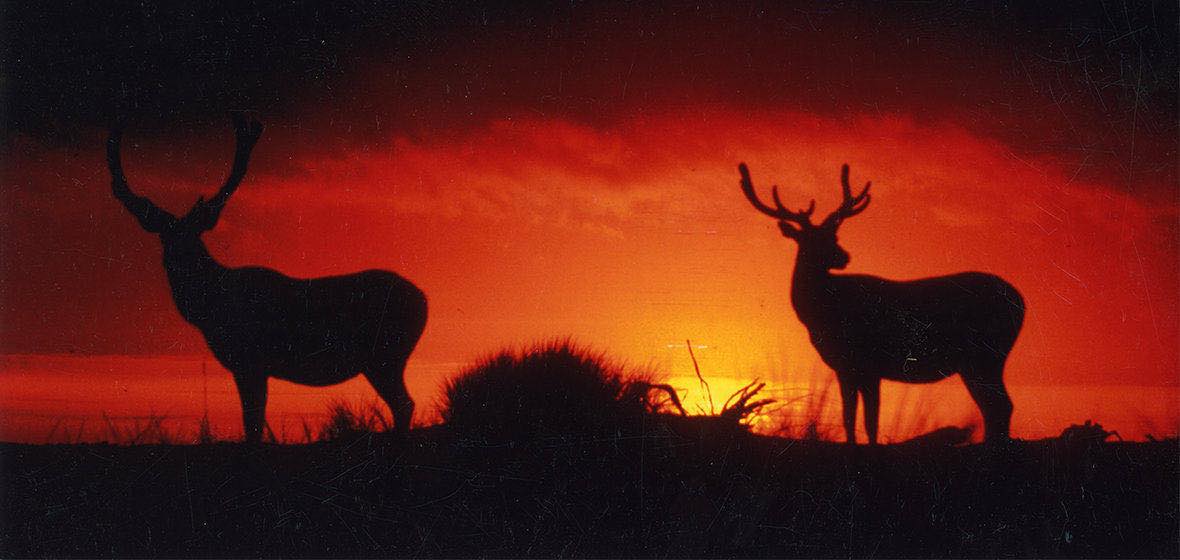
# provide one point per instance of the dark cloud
(80, 64)
(1094, 84)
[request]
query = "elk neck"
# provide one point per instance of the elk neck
(194, 276)
(810, 295)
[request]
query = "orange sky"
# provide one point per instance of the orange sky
(571, 172)
(629, 239)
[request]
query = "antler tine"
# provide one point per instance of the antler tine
(803, 218)
(849, 200)
(851, 205)
(800, 216)
(246, 132)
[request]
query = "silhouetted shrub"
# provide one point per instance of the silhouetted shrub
(553, 390)
(1090, 432)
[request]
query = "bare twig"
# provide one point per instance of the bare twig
(704, 383)
(739, 406)
(641, 390)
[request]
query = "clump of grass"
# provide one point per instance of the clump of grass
(142, 430)
(66, 437)
(552, 390)
(346, 421)
(740, 409)
(807, 420)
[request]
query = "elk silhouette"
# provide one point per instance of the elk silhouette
(260, 323)
(868, 328)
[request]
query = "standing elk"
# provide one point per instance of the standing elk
(260, 323)
(867, 328)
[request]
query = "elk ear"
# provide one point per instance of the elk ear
(789, 230)
(153, 220)
(832, 224)
(203, 215)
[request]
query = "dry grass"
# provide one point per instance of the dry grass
(559, 390)
(140, 430)
(347, 421)
(805, 417)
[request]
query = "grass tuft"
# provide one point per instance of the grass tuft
(805, 417)
(138, 430)
(346, 422)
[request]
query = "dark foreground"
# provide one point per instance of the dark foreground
(656, 496)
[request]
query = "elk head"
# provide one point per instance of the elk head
(203, 215)
(817, 243)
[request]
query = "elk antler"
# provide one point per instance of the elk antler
(852, 205)
(151, 217)
(779, 212)
(247, 133)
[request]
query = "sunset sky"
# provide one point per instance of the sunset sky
(572, 172)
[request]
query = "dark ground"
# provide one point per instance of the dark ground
(663, 495)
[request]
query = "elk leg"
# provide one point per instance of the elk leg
(871, 390)
(252, 394)
(390, 383)
(848, 398)
(994, 403)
